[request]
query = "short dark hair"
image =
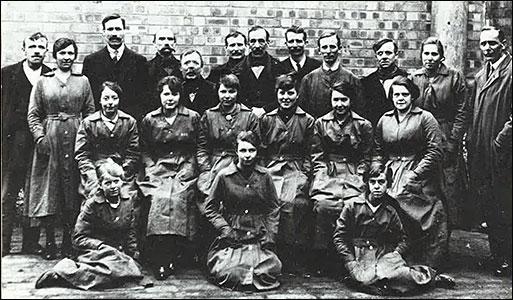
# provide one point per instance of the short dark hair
(376, 168)
(502, 36)
(155, 35)
(296, 29)
(346, 89)
(285, 82)
(174, 83)
(110, 167)
(229, 81)
(328, 33)
(34, 37)
(113, 86)
(257, 27)
(247, 136)
(383, 41)
(113, 17)
(433, 41)
(190, 51)
(407, 83)
(63, 43)
(235, 34)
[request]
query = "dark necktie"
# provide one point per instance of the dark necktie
(490, 71)
(298, 66)
(115, 58)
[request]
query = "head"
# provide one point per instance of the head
(165, 42)
(114, 30)
(402, 93)
(35, 47)
(65, 52)
(191, 63)
(295, 39)
(385, 51)
(258, 38)
(235, 44)
(169, 89)
(286, 92)
(228, 90)
(492, 43)
(110, 176)
(246, 148)
(111, 92)
(432, 53)
(329, 46)
(377, 178)
(341, 96)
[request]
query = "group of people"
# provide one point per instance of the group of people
(264, 167)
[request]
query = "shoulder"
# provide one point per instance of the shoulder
(124, 115)
(96, 55)
(370, 77)
(92, 117)
(10, 69)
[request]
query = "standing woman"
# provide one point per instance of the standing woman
(442, 93)
(341, 152)
(57, 103)
(245, 210)
(410, 139)
(169, 137)
(286, 138)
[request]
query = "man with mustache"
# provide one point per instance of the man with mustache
(317, 85)
(197, 94)
(377, 84)
(163, 64)
(257, 73)
(117, 63)
(235, 45)
(17, 143)
(298, 64)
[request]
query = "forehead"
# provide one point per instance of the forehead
(257, 34)
(388, 46)
(38, 42)
(381, 176)
(430, 48)
(330, 40)
(114, 23)
(108, 91)
(70, 48)
(165, 34)
(245, 145)
(191, 56)
(235, 39)
(337, 94)
(489, 35)
(294, 36)
(109, 177)
(399, 88)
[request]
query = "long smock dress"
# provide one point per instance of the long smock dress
(106, 239)
(444, 95)
(376, 241)
(415, 146)
(339, 154)
(250, 208)
(286, 148)
(54, 113)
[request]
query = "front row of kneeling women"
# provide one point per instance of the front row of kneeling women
(261, 207)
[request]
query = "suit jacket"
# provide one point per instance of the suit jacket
(130, 72)
(202, 93)
(156, 72)
(220, 70)
(310, 65)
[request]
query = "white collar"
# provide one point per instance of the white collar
(335, 66)
(32, 75)
(496, 64)
(107, 120)
(120, 50)
(301, 62)
(372, 207)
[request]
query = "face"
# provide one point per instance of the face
(287, 98)
(341, 103)
(114, 33)
(235, 47)
(165, 42)
(257, 43)
(191, 66)
(295, 43)
(386, 55)
(169, 99)
(431, 57)
(329, 49)
(65, 58)
(227, 96)
(35, 51)
(491, 46)
(377, 186)
(401, 98)
(111, 185)
(109, 100)
(246, 153)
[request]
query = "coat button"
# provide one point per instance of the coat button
(67, 155)
(247, 185)
(66, 132)
(248, 233)
(112, 135)
(246, 211)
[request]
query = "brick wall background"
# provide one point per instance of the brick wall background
(203, 25)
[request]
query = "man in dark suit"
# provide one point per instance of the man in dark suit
(298, 64)
(117, 63)
(17, 143)
(235, 45)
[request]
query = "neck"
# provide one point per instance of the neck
(168, 113)
(110, 115)
(298, 58)
(403, 113)
(228, 109)
(112, 199)
(60, 72)
(374, 201)
(33, 66)
(245, 169)
(389, 70)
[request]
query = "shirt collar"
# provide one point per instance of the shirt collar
(335, 66)
(496, 64)
(299, 111)
(415, 110)
(301, 62)
(120, 51)
(232, 169)
(107, 120)
(331, 116)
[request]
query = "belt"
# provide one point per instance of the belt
(402, 157)
(61, 116)
(339, 158)
(223, 152)
(281, 157)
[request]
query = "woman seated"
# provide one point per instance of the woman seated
(244, 208)
(105, 236)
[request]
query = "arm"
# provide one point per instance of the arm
(503, 139)
(131, 245)
(397, 232)
(433, 140)
(212, 206)
(273, 215)
(88, 107)
(145, 143)
(460, 125)
(83, 152)
(366, 147)
(378, 153)
(342, 236)
(203, 152)
(85, 227)
(36, 112)
(309, 132)
(304, 94)
(317, 155)
(132, 152)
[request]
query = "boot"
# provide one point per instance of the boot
(30, 241)
(50, 252)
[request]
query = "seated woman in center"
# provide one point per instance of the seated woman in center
(244, 208)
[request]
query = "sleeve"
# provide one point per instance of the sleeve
(6, 106)
(459, 88)
(88, 107)
(132, 152)
(462, 121)
(305, 94)
(273, 215)
(83, 151)
(317, 155)
(378, 153)
(84, 228)
(145, 141)
(398, 232)
(212, 206)
(309, 132)
(36, 112)
(433, 141)
(254, 126)
(504, 139)
(203, 151)
(367, 146)
(131, 245)
(342, 236)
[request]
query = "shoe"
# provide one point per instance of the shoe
(444, 281)
(488, 263)
(48, 279)
(171, 269)
(503, 270)
(161, 273)
(50, 253)
(35, 249)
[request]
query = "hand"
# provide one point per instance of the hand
(42, 147)
(229, 238)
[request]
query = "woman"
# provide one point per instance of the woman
(57, 103)
(410, 139)
(442, 93)
(105, 234)
(169, 138)
(341, 151)
(286, 138)
(244, 209)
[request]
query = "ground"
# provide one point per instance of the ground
(20, 272)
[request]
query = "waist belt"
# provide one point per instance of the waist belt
(402, 157)
(285, 157)
(223, 152)
(61, 116)
(339, 158)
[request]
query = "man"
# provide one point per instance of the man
(257, 73)
(488, 115)
(117, 63)
(235, 45)
(377, 84)
(197, 93)
(298, 64)
(163, 64)
(317, 85)
(17, 143)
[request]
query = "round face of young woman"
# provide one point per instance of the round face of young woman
(247, 153)
(287, 98)
(431, 58)
(111, 185)
(401, 98)
(65, 58)
(340, 103)
(109, 100)
(169, 99)
(377, 186)
(227, 96)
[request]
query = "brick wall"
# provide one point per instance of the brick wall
(203, 25)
